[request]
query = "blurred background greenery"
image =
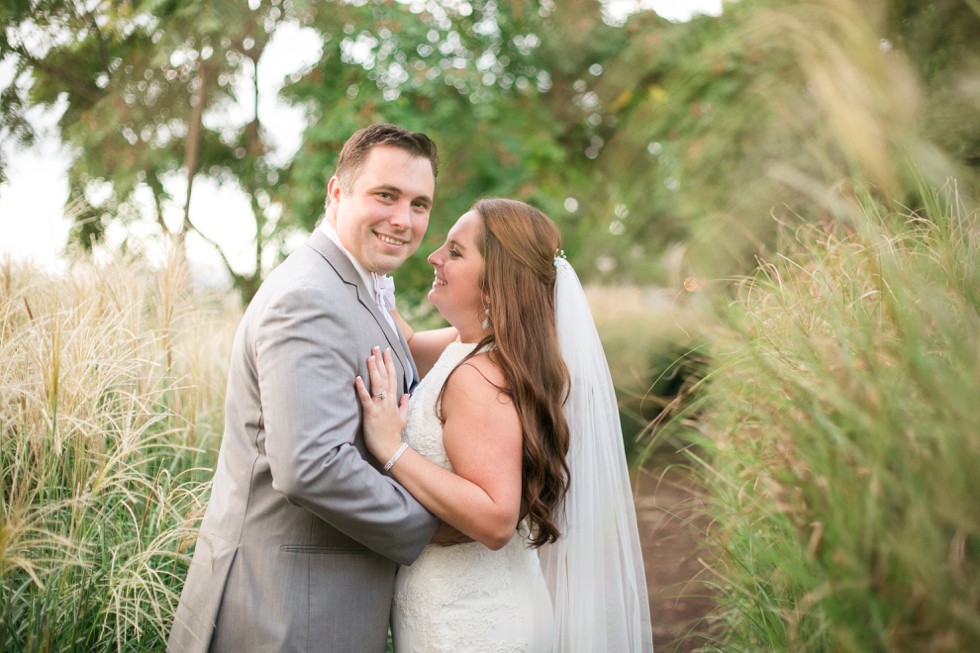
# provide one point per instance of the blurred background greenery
(636, 134)
(774, 211)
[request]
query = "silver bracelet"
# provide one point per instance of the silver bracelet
(395, 456)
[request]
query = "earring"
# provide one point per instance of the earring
(486, 320)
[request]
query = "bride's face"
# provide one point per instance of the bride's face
(458, 267)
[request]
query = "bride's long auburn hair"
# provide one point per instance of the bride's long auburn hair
(519, 244)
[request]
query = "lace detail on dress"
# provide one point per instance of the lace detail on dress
(424, 429)
(465, 597)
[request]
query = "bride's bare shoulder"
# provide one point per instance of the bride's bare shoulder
(479, 375)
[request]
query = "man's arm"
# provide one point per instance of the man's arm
(446, 535)
(307, 356)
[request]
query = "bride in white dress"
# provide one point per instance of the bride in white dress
(487, 447)
(467, 597)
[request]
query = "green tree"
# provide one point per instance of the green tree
(16, 130)
(143, 84)
(457, 75)
(502, 87)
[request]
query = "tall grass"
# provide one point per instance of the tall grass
(110, 390)
(839, 436)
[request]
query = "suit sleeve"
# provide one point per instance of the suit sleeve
(307, 353)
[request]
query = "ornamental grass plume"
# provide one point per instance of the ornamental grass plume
(839, 439)
(111, 379)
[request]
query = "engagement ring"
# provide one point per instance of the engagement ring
(381, 394)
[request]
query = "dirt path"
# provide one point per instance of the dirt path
(671, 527)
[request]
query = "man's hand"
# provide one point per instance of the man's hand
(446, 535)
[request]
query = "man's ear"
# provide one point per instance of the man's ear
(333, 190)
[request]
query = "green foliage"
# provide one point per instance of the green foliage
(733, 118)
(473, 81)
(941, 39)
(111, 397)
(839, 440)
(633, 136)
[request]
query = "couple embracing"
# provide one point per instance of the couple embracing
(491, 512)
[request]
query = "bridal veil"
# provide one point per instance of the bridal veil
(595, 569)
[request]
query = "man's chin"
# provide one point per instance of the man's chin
(388, 264)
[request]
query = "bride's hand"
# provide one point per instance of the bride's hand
(384, 417)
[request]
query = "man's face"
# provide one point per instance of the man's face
(382, 218)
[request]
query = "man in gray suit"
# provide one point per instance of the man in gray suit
(304, 531)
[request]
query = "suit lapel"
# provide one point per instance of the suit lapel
(339, 261)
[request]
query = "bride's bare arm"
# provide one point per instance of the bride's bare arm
(482, 437)
(425, 345)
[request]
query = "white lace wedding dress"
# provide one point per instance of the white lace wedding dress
(466, 597)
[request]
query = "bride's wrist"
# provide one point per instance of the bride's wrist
(396, 453)
(381, 444)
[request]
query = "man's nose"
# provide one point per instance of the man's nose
(401, 215)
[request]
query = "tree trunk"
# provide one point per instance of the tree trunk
(192, 154)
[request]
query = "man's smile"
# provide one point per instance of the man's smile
(391, 240)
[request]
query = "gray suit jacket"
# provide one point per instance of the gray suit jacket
(303, 532)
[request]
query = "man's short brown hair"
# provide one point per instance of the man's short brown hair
(357, 147)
